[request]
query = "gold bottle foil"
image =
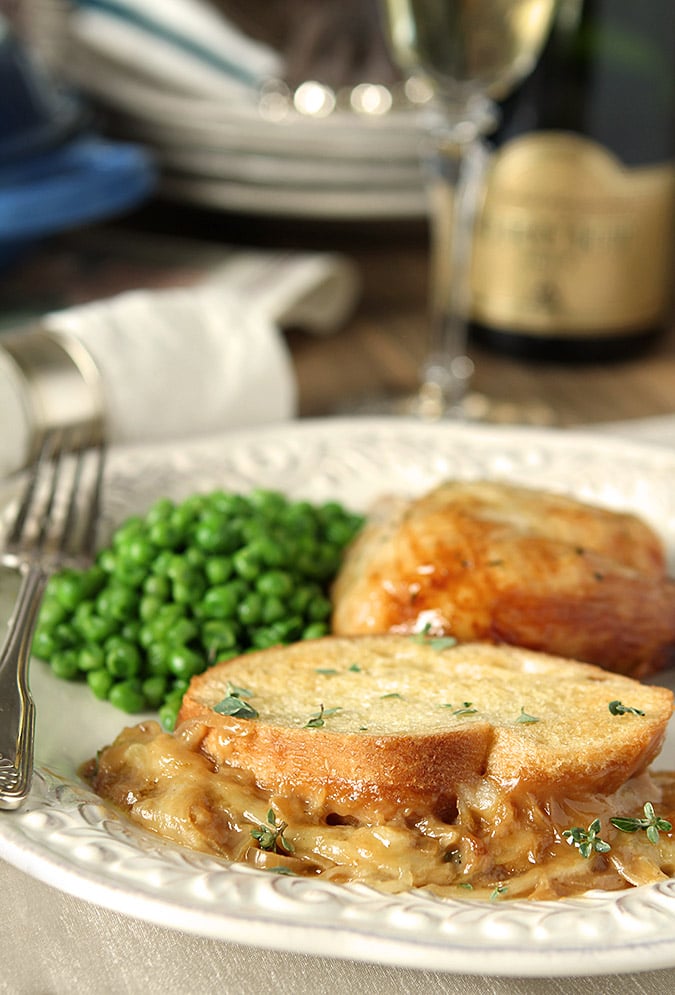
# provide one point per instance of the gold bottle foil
(570, 241)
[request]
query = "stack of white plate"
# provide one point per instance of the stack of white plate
(247, 145)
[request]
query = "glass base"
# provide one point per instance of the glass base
(473, 407)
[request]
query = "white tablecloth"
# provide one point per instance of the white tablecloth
(64, 946)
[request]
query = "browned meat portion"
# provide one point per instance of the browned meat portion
(490, 561)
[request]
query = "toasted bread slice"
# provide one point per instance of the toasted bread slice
(394, 722)
(487, 561)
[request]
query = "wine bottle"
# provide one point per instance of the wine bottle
(573, 255)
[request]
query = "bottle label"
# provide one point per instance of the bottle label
(571, 241)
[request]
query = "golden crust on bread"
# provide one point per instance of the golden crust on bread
(401, 722)
(488, 561)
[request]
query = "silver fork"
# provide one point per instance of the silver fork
(54, 527)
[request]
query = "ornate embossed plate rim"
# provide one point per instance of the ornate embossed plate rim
(67, 838)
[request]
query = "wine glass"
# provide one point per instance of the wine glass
(472, 52)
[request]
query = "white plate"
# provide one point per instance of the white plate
(329, 203)
(66, 837)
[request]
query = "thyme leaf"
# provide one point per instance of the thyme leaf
(588, 840)
(466, 709)
(270, 835)
(237, 692)
(438, 643)
(235, 706)
(651, 823)
(524, 717)
(618, 708)
(316, 721)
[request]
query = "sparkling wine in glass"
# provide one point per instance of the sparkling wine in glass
(472, 52)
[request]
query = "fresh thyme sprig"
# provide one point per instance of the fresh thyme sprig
(587, 841)
(652, 824)
(270, 835)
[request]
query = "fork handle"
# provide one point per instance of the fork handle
(17, 710)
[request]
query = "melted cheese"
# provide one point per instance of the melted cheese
(502, 843)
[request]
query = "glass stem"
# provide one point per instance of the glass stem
(457, 163)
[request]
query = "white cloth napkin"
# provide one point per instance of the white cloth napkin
(183, 45)
(167, 364)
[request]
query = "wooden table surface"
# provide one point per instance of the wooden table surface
(382, 343)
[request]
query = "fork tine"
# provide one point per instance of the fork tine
(55, 472)
(94, 509)
(84, 447)
(47, 448)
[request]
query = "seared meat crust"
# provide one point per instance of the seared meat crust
(494, 562)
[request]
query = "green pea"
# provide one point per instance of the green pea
(44, 644)
(183, 631)
(339, 532)
(154, 690)
(178, 689)
(222, 601)
(273, 610)
(246, 563)
(65, 635)
(159, 511)
(189, 588)
(64, 664)
(315, 631)
(148, 607)
(165, 534)
(184, 662)
(90, 657)
(117, 601)
(157, 586)
(157, 659)
(137, 551)
(122, 658)
(68, 588)
(183, 517)
(218, 569)
(107, 561)
(231, 505)
(52, 612)
(221, 632)
(100, 682)
(128, 573)
(250, 609)
(162, 563)
(319, 608)
(96, 628)
(130, 528)
(168, 713)
(275, 583)
(127, 696)
(215, 534)
(302, 596)
(166, 617)
(131, 630)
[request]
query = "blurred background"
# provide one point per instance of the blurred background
(191, 128)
